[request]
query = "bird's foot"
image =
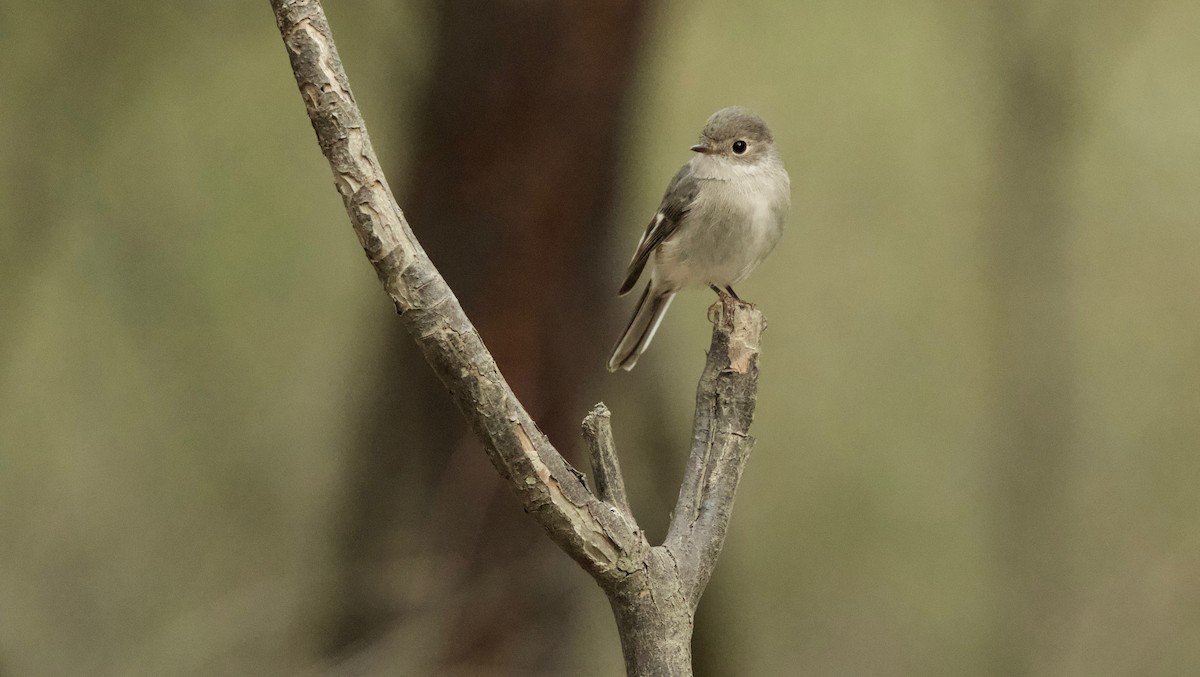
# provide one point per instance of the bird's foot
(728, 295)
(727, 300)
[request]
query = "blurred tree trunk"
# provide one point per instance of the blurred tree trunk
(512, 173)
(1032, 354)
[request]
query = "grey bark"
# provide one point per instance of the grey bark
(653, 590)
(512, 93)
(602, 452)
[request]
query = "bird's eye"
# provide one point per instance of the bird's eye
(739, 146)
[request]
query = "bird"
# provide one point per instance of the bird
(721, 215)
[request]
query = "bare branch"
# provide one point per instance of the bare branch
(606, 545)
(653, 591)
(610, 484)
(721, 442)
(655, 608)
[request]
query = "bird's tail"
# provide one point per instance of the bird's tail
(650, 309)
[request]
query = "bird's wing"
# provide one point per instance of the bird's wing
(681, 194)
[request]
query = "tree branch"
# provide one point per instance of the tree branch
(655, 610)
(606, 468)
(603, 543)
(721, 442)
(653, 591)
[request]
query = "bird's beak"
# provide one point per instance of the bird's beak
(701, 148)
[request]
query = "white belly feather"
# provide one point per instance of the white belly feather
(735, 222)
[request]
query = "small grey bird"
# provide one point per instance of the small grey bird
(720, 217)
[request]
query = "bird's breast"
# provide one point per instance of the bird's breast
(735, 222)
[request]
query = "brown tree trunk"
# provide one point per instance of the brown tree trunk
(514, 164)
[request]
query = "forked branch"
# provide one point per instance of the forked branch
(654, 591)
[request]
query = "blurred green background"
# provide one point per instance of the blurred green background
(979, 416)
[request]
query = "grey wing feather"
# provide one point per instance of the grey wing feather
(680, 195)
